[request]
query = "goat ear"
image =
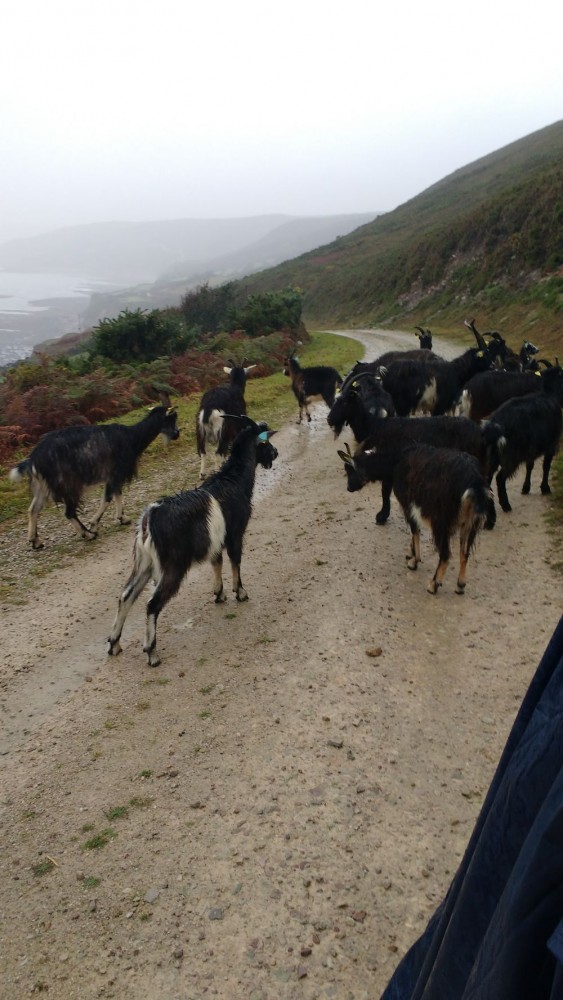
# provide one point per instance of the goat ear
(249, 369)
(170, 411)
(227, 370)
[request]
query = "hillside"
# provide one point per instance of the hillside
(487, 240)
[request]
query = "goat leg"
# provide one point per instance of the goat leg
(382, 515)
(502, 494)
(218, 591)
(547, 460)
(413, 556)
(526, 485)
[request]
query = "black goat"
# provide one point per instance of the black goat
(397, 433)
(486, 391)
(316, 382)
(65, 461)
(437, 485)
(194, 527)
(431, 386)
(424, 338)
(524, 429)
(360, 402)
(210, 428)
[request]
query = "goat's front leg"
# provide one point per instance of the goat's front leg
(218, 591)
(383, 515)
(110, 494)
(82, 529)
(502, 494)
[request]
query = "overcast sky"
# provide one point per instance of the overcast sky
(134, 110)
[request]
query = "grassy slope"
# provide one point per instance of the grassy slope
(477, 242)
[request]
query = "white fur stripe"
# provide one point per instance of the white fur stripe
(216, 527)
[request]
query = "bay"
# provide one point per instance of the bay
(37, 306)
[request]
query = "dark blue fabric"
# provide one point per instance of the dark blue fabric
(498, 934)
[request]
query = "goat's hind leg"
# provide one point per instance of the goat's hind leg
(444, 552)
(413, 553)
(167, 586)
(218, 591)
(547, 460)
(527, 484)
(135, 585)
(234, 552)
(40, 495)
(467, 534)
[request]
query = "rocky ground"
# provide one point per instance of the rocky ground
(277, 809)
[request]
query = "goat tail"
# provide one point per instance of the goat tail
(21, 471)
(478, 509)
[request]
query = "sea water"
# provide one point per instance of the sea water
(20, 294)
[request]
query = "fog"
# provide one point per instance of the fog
(129, 110)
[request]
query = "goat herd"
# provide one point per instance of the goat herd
(439, 465)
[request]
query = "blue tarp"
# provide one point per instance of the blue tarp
(498, 934)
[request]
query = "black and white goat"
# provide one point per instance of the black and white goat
(486, 391)
(398, 433)
(315, 382)
(523, 429)
(361, 402)
(211, 429)
(441, 487)
(64, 462)
(195, 526)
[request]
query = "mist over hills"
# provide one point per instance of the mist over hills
(487, 239)
(138, 252)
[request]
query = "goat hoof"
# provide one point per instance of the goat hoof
(36, 546)
(506, 508)
(460, 589)
(526, 489)
(220, 598)
(124, 520)
(546, 490)
(412, 563)
(381, 518)
(114, 648)
(242, 596)
(432, 587)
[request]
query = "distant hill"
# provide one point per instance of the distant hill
(141, 252)
(487, 240)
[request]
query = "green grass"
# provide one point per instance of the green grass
(99, 840)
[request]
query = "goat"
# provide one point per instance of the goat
(431, 386)
(194, 527)
(397, 433)
(211, 429)
(523, 429)
(65, 461)
(443, 487)
(486, 391)
(360, 402)
(316, 382)
(424, 338)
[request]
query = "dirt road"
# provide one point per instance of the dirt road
(276, 810)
